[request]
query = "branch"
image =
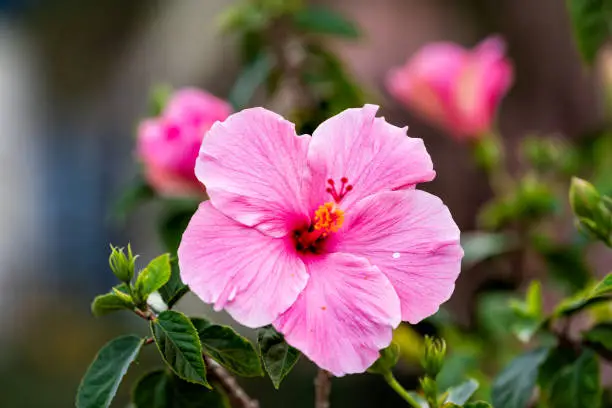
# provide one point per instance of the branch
(322, 389)
(229, 383)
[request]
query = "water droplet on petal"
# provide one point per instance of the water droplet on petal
(396, 255)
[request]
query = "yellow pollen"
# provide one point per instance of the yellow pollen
(328, 218)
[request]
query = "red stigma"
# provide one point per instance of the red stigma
(345, 188)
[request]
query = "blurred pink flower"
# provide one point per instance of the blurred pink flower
(457, 89)
(325, 236)
(168, 145)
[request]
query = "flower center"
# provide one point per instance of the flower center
(328, 218)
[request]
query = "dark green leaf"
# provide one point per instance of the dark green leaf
(320, 20)
(577, 386)
(104, 375)
(598, 293)
(153, 277)
(514, 385)
(566, 263)
(228, 348)
(600, 334)
(250, 79)
(558, 358)
(178, 342)
(174, 289)
(160, 389)
(278, 356)
(174, 222)
(479, 246)
(137, 193)
(108, 303)
(462, 392)
(387, 360)
(590, 20)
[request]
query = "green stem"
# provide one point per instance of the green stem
(400, 390)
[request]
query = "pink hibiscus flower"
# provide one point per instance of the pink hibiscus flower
(325, 237)
(168, 145)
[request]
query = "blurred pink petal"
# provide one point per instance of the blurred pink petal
(168, 145)
(237, 268)
(345, 315)
(458, 90)
(412, 238)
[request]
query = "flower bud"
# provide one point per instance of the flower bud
(433, 355)
(122, 265)
(583, 197)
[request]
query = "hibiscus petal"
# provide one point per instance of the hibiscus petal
(254, 166)
(253, 276)
(412, 238)
(345, 315)
(374, 156)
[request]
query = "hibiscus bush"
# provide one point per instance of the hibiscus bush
(305, 221)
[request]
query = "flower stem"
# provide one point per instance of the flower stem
(322, 389)
(400, 390)
(229, 383)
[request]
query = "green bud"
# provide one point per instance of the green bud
(434, 352)
(430, 389)
(122, 265)
(387, 360)
(583, 198)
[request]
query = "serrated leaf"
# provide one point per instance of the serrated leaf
(590, 20)
(249, 80)
(228, 348)
(321, 20)
(179, 345)
(278, 356)
(578, 386)
(514, 385)
(174, 289)
(161, 389)
(462, 392)
(102, 379)
(108, 303)
(153, 277)
(387, 360)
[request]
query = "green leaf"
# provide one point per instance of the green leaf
(174, 289)
(590, 20)
(462, 392)
(278, 356)
(479, 246)
(577, 386)
(597, 293)
(250, 79)
(104, 375)
(600, 334)
(174, 221)
(228, 348)
(478, 404)
(387, 360)
(153, 277)
(514, 385)
(137, 193)
(558, 358)
(160, 389)
(529, 313)
(108, 303)
(179, 345)
(320, 20)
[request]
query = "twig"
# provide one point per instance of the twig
(322, 389)
(229, 383)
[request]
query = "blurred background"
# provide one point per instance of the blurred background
(74, 81)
